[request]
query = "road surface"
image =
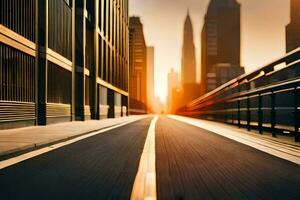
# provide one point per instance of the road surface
(100, 167)
(191, 163)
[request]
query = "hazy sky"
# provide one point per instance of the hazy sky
(263, 32)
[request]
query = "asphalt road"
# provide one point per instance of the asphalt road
(192, 163)
(100, 167)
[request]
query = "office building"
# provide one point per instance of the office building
(137, 67)
(293, 28)
(53, 71)
(173, 87)
(222, 73)
(173, 84)
(150, 78)
(220, 42)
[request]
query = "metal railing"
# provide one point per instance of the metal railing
(267, 99)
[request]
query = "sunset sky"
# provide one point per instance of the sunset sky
(263, 32)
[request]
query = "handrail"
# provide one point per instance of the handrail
(244, 98)
(246, 77)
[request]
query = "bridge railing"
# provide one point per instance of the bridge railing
(267, 99)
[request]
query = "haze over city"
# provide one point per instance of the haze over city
(262, 32)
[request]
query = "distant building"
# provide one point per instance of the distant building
(173, 85)
(221, 74)
(158, 106)
(220, 41)
(150, 78)
(190, 92)
(137, 67)
(293, 28)
(190, 89)
(188, 60)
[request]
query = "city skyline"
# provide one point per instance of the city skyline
(262, 30)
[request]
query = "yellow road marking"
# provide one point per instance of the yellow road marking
(144, 187)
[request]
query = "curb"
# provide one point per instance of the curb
(28, 148)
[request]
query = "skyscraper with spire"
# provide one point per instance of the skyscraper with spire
(293, 28)
(188, 60)
(190, 88)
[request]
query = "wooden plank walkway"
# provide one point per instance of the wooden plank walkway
(192, 163)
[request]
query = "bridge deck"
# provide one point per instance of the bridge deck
(100, 167)
(193, 163)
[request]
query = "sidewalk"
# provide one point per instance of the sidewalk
(283, 147)
(15, 141)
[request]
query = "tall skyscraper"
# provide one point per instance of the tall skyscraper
(137, 67)
(220, 41)
(189, 88)
(188, 60)
(150, 77)
(293, 28)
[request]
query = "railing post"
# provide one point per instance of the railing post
(239, 113)
(232, 113)
(297, 113)
(273, 114)
(248, 114)
(225, 113)
(239, 108)
(260, 114)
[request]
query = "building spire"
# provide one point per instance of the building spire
(188, 65)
